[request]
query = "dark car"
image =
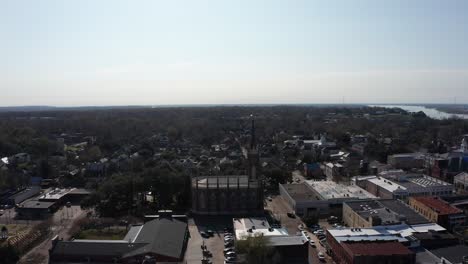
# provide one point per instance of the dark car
(291, 215)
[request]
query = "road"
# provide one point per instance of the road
(63, 221)
(297, 176)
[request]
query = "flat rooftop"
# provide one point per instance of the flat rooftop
(225, 181)
(411, 217)
(300, 192)
(386, 184)
(426, 181)
(406, 183)
(35, 204)
(376, 248)
(286, 240)
(244, 227)
(56, 194)
(373, 208)
(454, 254)
(390, 232)
(332, 190)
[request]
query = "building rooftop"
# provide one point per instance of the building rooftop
(461, 178)
(423, 256)
(376, 248)
(390, 233)
(426, 181)
(332, 190)
(244, 227)
(438, 205)
(405, 182)
(27, 193)
(286, 240)
(35, 204)
(364, 234)
(231, 181)
(396, 212)
(387, 184)
(163, 236)
(55, 194)
(408, 155)
(454, 254)
(300, 192)
(411, 217)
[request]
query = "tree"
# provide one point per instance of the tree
(277, 176)
(256, 249)
(9, 254)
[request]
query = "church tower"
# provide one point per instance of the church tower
(253, 158)
(464, 144)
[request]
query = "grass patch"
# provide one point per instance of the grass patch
(102, 234)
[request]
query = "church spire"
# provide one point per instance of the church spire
(252, 155)
(253, 143)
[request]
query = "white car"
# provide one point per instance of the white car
(321, 256)
(312, 243)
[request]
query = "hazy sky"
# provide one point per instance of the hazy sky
(227, 52)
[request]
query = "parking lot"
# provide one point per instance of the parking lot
(214, 244)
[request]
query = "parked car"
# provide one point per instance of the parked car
(229, 249)
(291, 215)
(322, 242)
(230, 254)
(321, 256)
(318, 231)
(204, 234)
(229, 243)
(312, 243)
(230, 258)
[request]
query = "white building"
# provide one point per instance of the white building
(321, 197)
(461, 183)
(405, 186)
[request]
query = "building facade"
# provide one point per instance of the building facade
(231, 194)
(438, 211)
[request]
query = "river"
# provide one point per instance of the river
(430, 112)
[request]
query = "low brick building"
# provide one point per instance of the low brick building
(438, 211)
(373, 252)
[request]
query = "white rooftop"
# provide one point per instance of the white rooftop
(391, 232)
(244, 227)
(425, 181)
(56, 194)
(386, 184)
(462, 178)
(332, 190)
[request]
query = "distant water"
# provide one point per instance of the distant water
(430, 112)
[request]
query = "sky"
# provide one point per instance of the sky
(112, 52)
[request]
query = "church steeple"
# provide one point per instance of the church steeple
(253, 142)
(252, 155)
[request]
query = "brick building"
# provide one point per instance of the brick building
(438, 211)
(372, 252)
